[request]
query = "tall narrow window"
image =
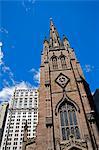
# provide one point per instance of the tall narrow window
(63, 62)
(54, 63)
(69, 123)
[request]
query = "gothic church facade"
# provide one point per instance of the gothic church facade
(66, 113)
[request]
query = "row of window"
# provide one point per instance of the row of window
(63, 62)
(21, 98)
(24, 94)
(20, 113)
(24, 105)
(24, 116)
(25, 100)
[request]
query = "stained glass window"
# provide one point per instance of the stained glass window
(69, 123)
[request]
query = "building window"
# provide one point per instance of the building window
(54, 63)
(63, 62)
(14, 148)
(69, 125)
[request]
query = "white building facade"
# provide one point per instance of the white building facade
(23, 106)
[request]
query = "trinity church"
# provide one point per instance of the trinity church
(67, 120)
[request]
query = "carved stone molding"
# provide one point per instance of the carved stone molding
(86, 137)
(91, 116)
(74, 144)
(62, 80)
(48, 121)
(47, 83)
(57, 143)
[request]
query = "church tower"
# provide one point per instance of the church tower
(66, 113)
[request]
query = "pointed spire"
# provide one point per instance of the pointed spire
(65, 41)
(54, 36)
(64, 37)
(46, 40)
(45, 44)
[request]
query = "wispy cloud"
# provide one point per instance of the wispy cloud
(9, 83)
(23, 85)
(88, 68)
(3, 30)
(1, 54)
(28, 4)
(6, 93)
(5, 71)
(36, 75)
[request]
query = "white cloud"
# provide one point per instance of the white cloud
(1, 54)
(88, 68)
(5, 70)
(36, 75)
(8, 82)
(23, 85)
(5, 83)
(7, 92)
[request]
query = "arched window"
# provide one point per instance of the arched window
(69, 125)
(63, 62)
(54, 63)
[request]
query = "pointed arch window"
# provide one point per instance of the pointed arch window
(63, 61)
(54, 62)
(68, 118)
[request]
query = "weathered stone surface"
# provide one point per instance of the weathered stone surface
(49, 135)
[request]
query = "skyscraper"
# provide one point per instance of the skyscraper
(23, 108)
(3, 114)
(96, 100)
(66, 118)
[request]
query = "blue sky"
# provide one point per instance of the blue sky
(23, 26)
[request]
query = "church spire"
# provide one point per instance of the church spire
(54, 36)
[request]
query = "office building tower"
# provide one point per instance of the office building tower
(23, 107)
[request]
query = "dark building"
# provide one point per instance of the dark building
(3, 115)
(96, 100)
(96, 105)
(66, 119)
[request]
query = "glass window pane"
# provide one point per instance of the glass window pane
(72, 130)
(62, 118)
(70, 118)
(66, 118)
(77, 133)
(63, 134)
(74, 118)
(69, 107)
(64, 107)
(68, 133)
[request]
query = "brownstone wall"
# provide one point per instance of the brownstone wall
(50, 94)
